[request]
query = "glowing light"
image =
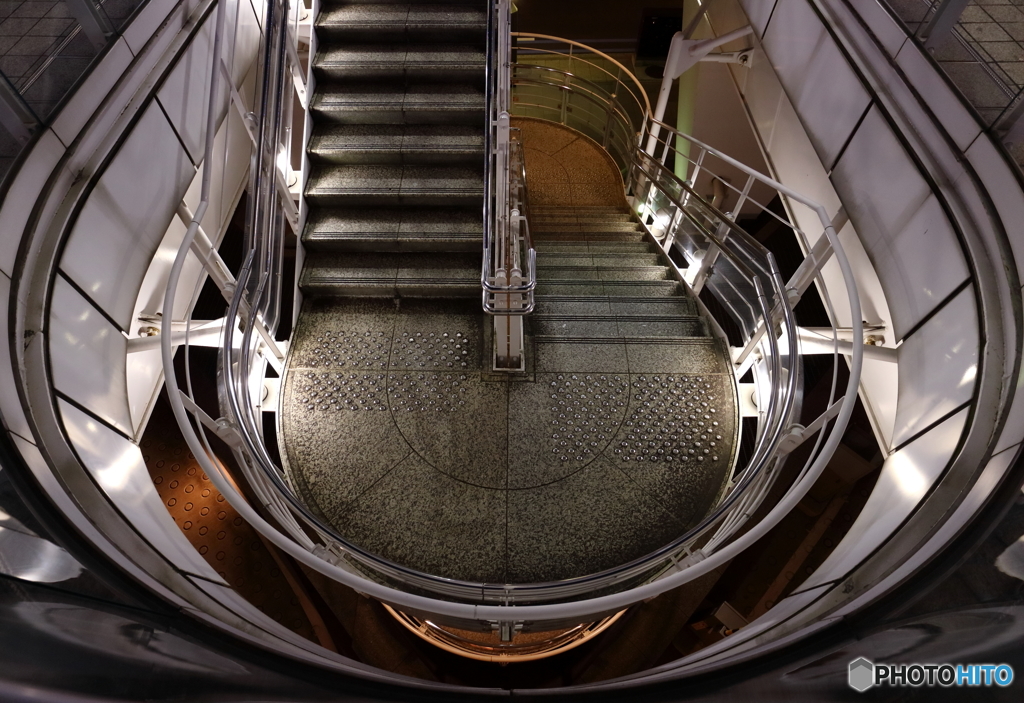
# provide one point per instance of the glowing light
(909, 479)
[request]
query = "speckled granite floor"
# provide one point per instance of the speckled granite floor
(398, 439)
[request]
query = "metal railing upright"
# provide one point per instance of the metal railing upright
(508, 275)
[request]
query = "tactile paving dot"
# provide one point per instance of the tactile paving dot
(350, 349)
(212, 526)
(332, 392)
(444, 392)
(431, 350)
(673, 419)
(584, 413)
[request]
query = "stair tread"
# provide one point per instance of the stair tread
(406, 143)
(546, 248)
(368, 221)
(606, 328)
(548, 259)
(352, 96)
(394, 181)
(375, 15)
(402, 56)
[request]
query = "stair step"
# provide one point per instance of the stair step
(377, 22)
(391, 185)
(397, 144)
(548, 247)
(606, 327)
(592, 228)
(601, 273)
(639, 308)
(442, 63)
(548, 259)
(654, 341)
(618, 289)
(588, 237)
(425, 103)
(569, 219)
(583, 210)
(423, 275)
(393, 230)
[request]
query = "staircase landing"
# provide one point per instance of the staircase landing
(399, 438)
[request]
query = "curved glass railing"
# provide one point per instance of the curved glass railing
(723, 259)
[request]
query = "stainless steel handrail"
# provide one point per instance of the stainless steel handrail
(288, 524)
(508, 275)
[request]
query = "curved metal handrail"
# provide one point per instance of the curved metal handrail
(590, 50)
(315, 545)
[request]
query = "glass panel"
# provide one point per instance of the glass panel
(983, 55)
(46, 46)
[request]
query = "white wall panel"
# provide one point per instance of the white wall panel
(153, 14)
(117, 466)
(145, 379)
(719, 120)
(825, 91)
(93, 90)
(758, 11)
(1005, 191)
(882, 25)
(879, 382)
(126, 216)
(938, 366)
(906, 233)
(905, 479)
(25, 190)
(944, 103)
(11, 412)
(185, 93)
(230, 163)
(246, 38)
(87, 356)
(795, 162)
(763, 94)
(872, 300)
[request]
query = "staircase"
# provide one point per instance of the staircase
(599, 278)
(397, 153)
(393, 428)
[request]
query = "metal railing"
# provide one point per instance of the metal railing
(508, 275)
(741, 272)
(584, 89)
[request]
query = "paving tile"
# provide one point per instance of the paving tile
(593, 520)
(424, 519)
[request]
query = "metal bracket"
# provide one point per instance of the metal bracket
(94, 23)
(221, 427)
(798, 434)
(942, 23)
